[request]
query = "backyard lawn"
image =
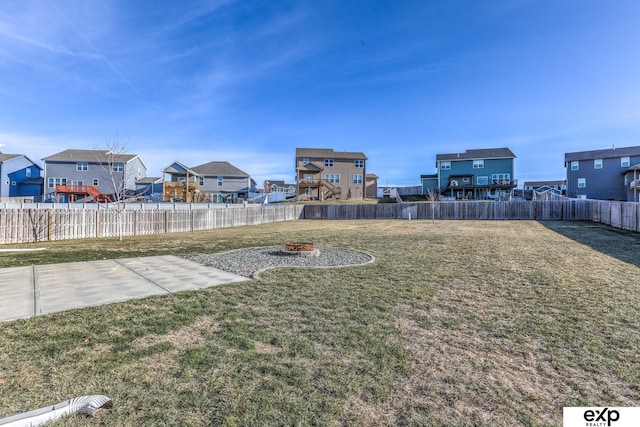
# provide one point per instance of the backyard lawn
(455, 323)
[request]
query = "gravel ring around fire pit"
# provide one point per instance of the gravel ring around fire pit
(250, 262)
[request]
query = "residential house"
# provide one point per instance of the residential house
(609, 174)
(558, 187)
(91, 175)
(274, 186)
(215, 182)
(19, 177)
(149, 188)
(486, 173)
(371, 186)
(322, 173)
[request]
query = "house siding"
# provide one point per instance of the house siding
(15, 171)
(606, 183)
(133, 170)
(465, 167)
(344, 164)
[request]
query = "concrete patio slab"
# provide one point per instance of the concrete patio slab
(36, 290)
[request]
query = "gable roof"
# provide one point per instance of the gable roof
(602, 154)
(6, 157)
(329, 153)
(219, 169)
(95, 156)
(177, 168)
(479, 154)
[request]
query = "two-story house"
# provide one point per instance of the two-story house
(19, 176)
(215, 182)
(603, 174)
(486, 173)
(91, 175)
(322, 174)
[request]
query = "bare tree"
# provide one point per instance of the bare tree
(113, 162)
(433, 196)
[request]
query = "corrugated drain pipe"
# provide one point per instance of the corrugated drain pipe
(83, 405)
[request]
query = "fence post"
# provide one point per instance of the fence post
(49, 224)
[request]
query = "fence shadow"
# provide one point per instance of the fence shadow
(617, 243)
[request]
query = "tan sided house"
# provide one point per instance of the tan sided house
(323, 174)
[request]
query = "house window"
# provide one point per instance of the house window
(308, 192)
(358, 163)
(118, 167)
(96, 182)
(220, 181)
(52, 182)
(82, 166)
(201, 181)
(76, 183)
(575, 165)
(332, 177)
(478, 164)
(308, 177)
(501, 178)
(597, 163)
(582, 196)
(328, 162)
(466, 180)
(625, 162)
(582, 182)
(305, 160)
(27, 172)
(445, 165)
(357, 178)
(483, 180)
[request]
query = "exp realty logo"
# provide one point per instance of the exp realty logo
(600, 417)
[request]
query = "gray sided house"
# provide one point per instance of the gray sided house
(224, 181)
(19, 176)
(215, 182)
(322, 173)
(475, 174)
(86, 175)
(610, 174)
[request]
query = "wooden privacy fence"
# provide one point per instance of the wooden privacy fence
(33, 225)
(553, 210)
(625, 215)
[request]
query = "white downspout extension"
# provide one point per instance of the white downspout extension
(84, 405)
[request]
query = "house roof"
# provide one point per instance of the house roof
(602, 154)
(148, 180)
(633, 168)
(483, 153)
(177, 168)
(543, 183)
(311, 167)
(97, 156)
(329, 153)
(219, 169)
(429, 176)
(6, 157)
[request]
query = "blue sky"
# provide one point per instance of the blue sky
(249, 81)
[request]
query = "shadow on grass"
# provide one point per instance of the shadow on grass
(614, 242)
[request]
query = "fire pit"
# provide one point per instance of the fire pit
(300, 249)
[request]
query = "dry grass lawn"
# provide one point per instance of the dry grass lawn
(455, 323)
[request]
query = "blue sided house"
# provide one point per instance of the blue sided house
(481, 174)
(19, 177)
